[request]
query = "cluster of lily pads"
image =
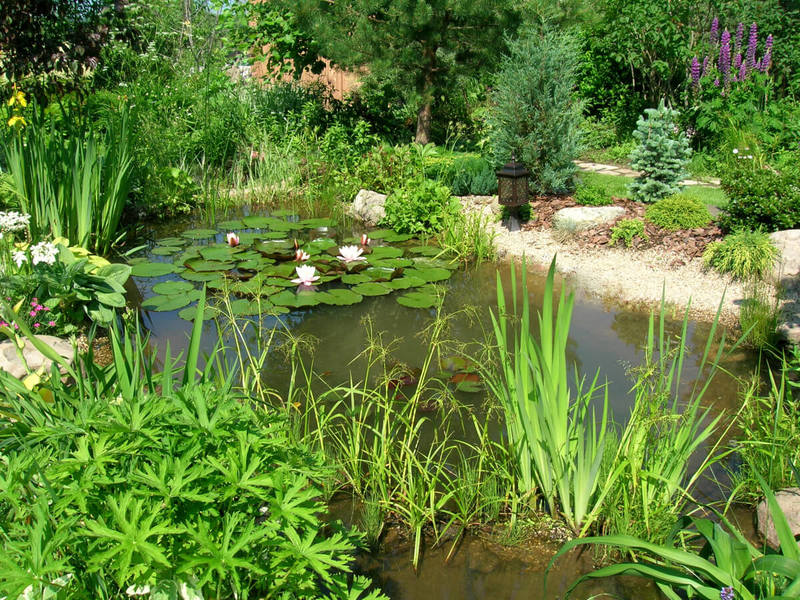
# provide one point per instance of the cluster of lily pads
(272, 265)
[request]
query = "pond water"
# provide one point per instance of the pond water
(603, 336)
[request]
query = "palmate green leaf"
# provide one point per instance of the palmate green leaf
(320, 554)
(242, 469)
(295, 502)
(174, 478)
(123, 545)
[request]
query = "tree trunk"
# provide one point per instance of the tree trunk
(423, 135)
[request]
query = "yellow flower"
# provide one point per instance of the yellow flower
(17, 121)
(18, 98)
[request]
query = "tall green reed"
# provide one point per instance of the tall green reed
(555, 437)
(71, 177)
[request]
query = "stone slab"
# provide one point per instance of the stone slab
(369, 206)
(576, 218)
(11, 363)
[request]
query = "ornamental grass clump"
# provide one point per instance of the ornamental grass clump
(744, 255)
(678, 212)
(661, 156)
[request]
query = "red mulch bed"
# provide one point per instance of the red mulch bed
(689, 243)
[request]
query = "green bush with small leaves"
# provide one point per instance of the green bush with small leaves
(419, 207)
(626, 230)
(744, 255)
(592, 195)
(678, 212)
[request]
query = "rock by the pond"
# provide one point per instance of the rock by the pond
(576, 218)
(789, 502)
(787, 274)
(11, 363)
(368, 206)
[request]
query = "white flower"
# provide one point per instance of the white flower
(365, 239)
(44, 252)
(138, 590)
(305, 275)
(301, 255)
(19, 258)
(233, 239)
(350, 254)
(736, 151)
(14, 221)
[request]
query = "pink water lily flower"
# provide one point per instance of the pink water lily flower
(349, 254)
(233, 239)
(365, 240)
(301, 255)
(306, 275)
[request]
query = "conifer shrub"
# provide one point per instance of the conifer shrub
(662, 155)
(535, 113)
(626, 230)
(592, 195)
(744, 255)
(678, 212)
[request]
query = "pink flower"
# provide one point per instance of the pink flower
(233, 239)
(36, 325)
(348, 254)
(3, 324)
(306, 275)
(32, 313)
(51, 323)
(300, 255)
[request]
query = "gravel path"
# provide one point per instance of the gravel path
(635, 278)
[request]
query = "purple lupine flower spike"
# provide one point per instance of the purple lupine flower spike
(739, 37)
(695, 72)
(714, 31)
(742, 71)
(726, 593)
(716, 82)
(769, 42)
(766, 61)
(737, 61)
(752, 42)
(724, 63)
(705, 67)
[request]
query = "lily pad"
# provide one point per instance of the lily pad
(167, 303)
(355, 278)
(296, 299)
(249, 308)
(429, 274)
(231, 225)
(379, 252)
(199, 234)
(372, 289)
(164, 250)
(425, 250)
(404, 283)
(316, 223)
(418, 299)
(221, 252)
(205, 276)
(190, 312)
(169, 288)
(256, 222)
(152, 269)
(172, 241)
(341, 297)
(199, 265)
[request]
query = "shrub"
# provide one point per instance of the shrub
(419, 207)
(661, 156)
(678, 212)
(626, 230)
(744, 255)
(524, 213)
(760, 197)
(190, 488)
(535, 113)
(592, 195)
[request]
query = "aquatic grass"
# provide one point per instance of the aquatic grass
(468, 237)
(73, 183)
(556, 442)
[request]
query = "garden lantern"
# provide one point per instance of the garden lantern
(512, 189)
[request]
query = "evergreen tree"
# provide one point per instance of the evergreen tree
(419, 45)
(661, 156)
(535, 113)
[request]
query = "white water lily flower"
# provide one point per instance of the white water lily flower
(44, 252)
(350, 254)
(138, 590)
(232, 239)
(306, 275)
(20, 258)
(301, 255)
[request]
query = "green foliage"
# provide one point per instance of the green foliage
(524, 212)
(626, 230)
(387, 167)
(678, 212)
(661, 156)
(592, 195)
(535, 114)
(186, 487)
(420, 206)
(738, 569)
(468, 237)
(422, 48)
(70, 175)
(760, 197)
(466, 174)
(557, 444)
(745, 255)
(758, 316)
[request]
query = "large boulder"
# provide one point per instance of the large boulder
(11, 362)
(576, 218)
(788, 243)
(789, 501)
(369, 207)
(787, 274)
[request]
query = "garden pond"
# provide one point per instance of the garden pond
(392, 286)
